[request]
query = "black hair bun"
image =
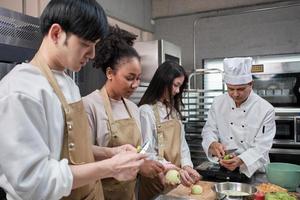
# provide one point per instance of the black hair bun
(116, 45)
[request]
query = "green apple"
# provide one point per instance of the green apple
(197, 189)
(227, 157)
(173, 177)
(138, 149)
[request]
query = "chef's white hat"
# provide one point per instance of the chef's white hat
(237, 71)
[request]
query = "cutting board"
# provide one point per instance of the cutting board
(182, 191)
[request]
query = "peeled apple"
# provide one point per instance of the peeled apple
(227, 157)
(197, 189)
(173, 177)
(138, 149)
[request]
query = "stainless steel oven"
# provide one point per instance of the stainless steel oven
(279, 84)
(287, 127)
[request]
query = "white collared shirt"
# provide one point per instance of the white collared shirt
(149, 132)
(249, 128)
(32, 128)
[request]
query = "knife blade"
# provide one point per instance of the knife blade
(230, 151)
(145, 147)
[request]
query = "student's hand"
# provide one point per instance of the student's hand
(185, 178)
(123, 148)
(167, 186)
(168, 166)
(232, 163)
(192, 173)
(217, 149)
(151, 168)
(126, 165)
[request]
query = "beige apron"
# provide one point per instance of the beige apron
(169, 148)
(123, 131)
(77, 144)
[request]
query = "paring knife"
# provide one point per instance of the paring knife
(145, 147)
(230, 151)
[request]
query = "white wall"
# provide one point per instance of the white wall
(255, 33)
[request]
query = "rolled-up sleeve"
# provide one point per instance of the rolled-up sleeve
(25, 158)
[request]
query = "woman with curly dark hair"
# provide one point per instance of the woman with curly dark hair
(114, 120)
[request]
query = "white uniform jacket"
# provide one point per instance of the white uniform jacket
(250, 128)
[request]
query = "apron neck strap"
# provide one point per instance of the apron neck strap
(156, 114)
(45, 69)
(107, 105)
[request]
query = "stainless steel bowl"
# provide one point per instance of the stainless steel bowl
(220, 188)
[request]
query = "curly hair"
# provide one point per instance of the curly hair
(118, 44)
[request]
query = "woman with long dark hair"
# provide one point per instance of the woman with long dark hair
(114, 120)
(161, 125)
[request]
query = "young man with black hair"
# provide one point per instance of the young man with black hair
(45, 146)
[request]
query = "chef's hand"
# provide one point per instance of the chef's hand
(123, 148)
(151, 168)
(125, 165)
(217, 149)
(192, 173)
(232, 163)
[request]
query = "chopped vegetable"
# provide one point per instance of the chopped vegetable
(279, 196)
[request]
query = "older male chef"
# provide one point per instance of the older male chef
(239, 119)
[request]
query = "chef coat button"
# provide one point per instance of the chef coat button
(115, 136)
(159, 126)
(244, 111)
(231, 123)
(71, 146)
(242, 141)
(231, 138)
(232, 108)
(243, 126)
(70, 127)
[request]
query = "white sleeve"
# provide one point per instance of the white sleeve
(185, 151)
(210, 132)
(149, 130)
(257, 156)
(25, 158)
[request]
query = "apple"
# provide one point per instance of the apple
(138, 149)
(227, 157)
(173, 177)
(197, 189)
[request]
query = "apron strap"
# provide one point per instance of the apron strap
(160, 136)
(127, 108)
(53, 82)
(106, 103)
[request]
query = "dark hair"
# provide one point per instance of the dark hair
(116, 46)
(162, 80)
(84, 18)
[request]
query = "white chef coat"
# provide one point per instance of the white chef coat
(97, 117)
(149, 132)
(249, 128)
(32, 128)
